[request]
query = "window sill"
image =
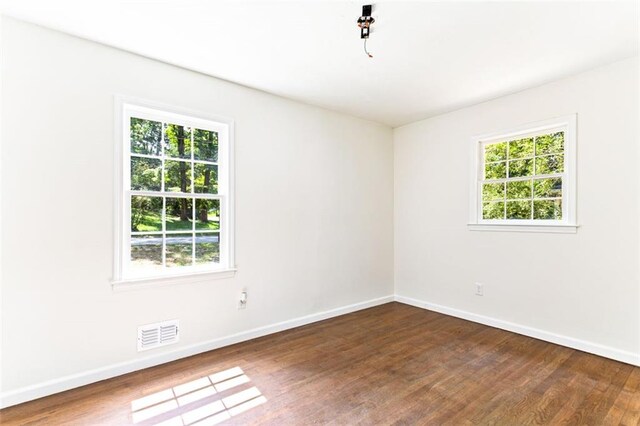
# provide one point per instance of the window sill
(549, 229)
(166, 280)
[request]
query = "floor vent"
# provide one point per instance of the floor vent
(159, 334)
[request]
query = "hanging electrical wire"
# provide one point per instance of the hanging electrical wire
(365, 49)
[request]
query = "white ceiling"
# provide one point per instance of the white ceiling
(429, 57)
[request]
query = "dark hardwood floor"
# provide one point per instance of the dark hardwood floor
(392, 364)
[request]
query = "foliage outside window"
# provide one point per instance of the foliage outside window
(176, 194)
(523, 178)
(527, 177)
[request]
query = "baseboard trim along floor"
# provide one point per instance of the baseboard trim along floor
(39, 390)
(570, 342)
(51, 387)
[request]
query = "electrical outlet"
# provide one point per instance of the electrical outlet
(479, 289)
(242, 303)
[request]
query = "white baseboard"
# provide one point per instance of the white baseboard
(51, 387)
(582, 345)
(61, 384)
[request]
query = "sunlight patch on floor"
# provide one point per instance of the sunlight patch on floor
(165, 401)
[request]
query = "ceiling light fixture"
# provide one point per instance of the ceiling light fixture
(364, 22)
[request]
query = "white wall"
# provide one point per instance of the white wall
(584, 287)
(314, 206)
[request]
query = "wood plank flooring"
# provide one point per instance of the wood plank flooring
(392, 364)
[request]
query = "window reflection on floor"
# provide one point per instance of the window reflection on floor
(224, 404)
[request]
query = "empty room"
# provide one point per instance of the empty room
(319, 212)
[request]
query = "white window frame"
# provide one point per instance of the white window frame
(123, 276)
(568, 223)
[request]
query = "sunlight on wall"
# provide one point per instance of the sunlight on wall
(161, 404)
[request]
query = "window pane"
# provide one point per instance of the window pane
(518, 168)
(206, 178)
(146, 213)
(179, 214)
(495, 170)
(518, 209)
(206, 145)
(179, 250)
(549, 164)
(208, 248)
(547, 209)
(519, 189)
(495, 152)
(177, 176)
(547, 188)
(177, 141)
(550, 144)
(146, 251)
(521, 148)
(145, 136)
(145, 174)
(492, 191)
(493, 210)
(207, 214)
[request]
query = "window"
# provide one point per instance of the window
(176, 194)
(525, 179)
